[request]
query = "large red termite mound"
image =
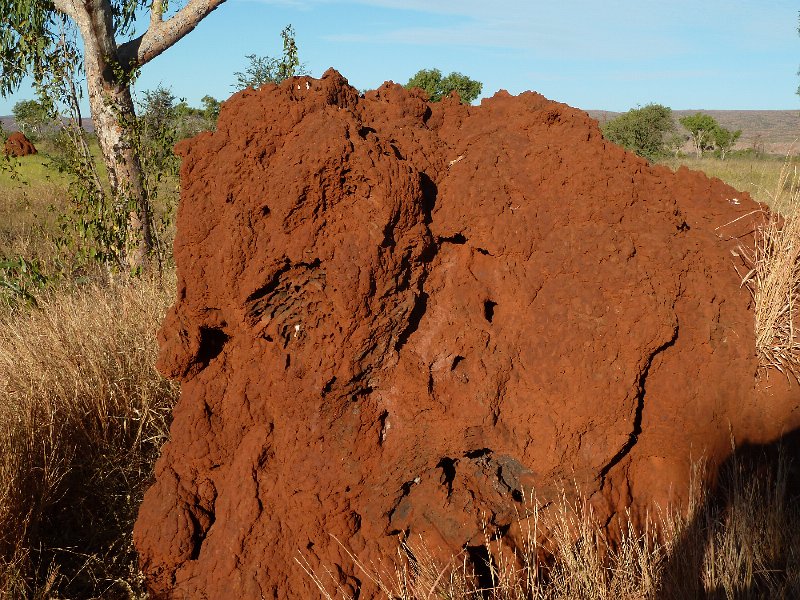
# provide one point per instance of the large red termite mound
(399, 318)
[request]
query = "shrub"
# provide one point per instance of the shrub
(646, 131)
(438, 86)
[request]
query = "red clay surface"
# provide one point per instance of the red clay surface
(18, 145)
(398, 318)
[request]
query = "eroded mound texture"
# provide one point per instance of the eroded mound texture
(397, 318)
(19, 145)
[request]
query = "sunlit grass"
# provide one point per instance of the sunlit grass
(774, 277)
(33, 170)
(756, 176)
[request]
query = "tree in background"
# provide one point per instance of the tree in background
(701, 127)
(158, 131)
(32, 117)
(172, 119)
(265, 69)
(724, 139)
(211, 107)
(675, 142)
(189, 121)
(647, 131)
(158, 108)
(164, 121)
(438, 86)
(707, 134)
(37, 36)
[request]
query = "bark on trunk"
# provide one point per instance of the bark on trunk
(114, 116)
(108, 67)
(112, 107)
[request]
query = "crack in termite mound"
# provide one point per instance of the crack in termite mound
(636, 431)
(414, 318)
(429, 191)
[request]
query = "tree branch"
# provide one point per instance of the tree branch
(163, 34)
(156, 12)
(65, 7)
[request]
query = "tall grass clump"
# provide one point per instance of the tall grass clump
(83, 414)
(738, 542)
(774, 277)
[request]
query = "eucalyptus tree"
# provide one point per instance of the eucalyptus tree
(33, 42)
(32, 118)
(725, 139)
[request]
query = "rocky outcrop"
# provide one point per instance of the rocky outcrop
(19, 145)
(399, 318)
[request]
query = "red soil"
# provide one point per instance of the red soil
(396, 317)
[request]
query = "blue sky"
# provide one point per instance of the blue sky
(611, 54)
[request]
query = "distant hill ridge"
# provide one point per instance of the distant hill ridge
(776, 131)
(9, 125)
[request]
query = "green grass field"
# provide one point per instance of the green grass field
(30, 170)
(32, 194)
(35, 195)
(30, 197)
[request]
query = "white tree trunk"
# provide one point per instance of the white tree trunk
(113, 114)
(698, 144)
(108, 68)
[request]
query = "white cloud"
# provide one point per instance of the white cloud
(546, 36)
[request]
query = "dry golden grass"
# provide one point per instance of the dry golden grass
(774, 277)
(739, 543)
(83, 414)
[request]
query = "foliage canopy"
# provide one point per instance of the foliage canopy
(439, 86)
(211, 108)
(40, 38)
(643, 130)
(32, 118)
(701, 126)
(724, 139)
(35, 34)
